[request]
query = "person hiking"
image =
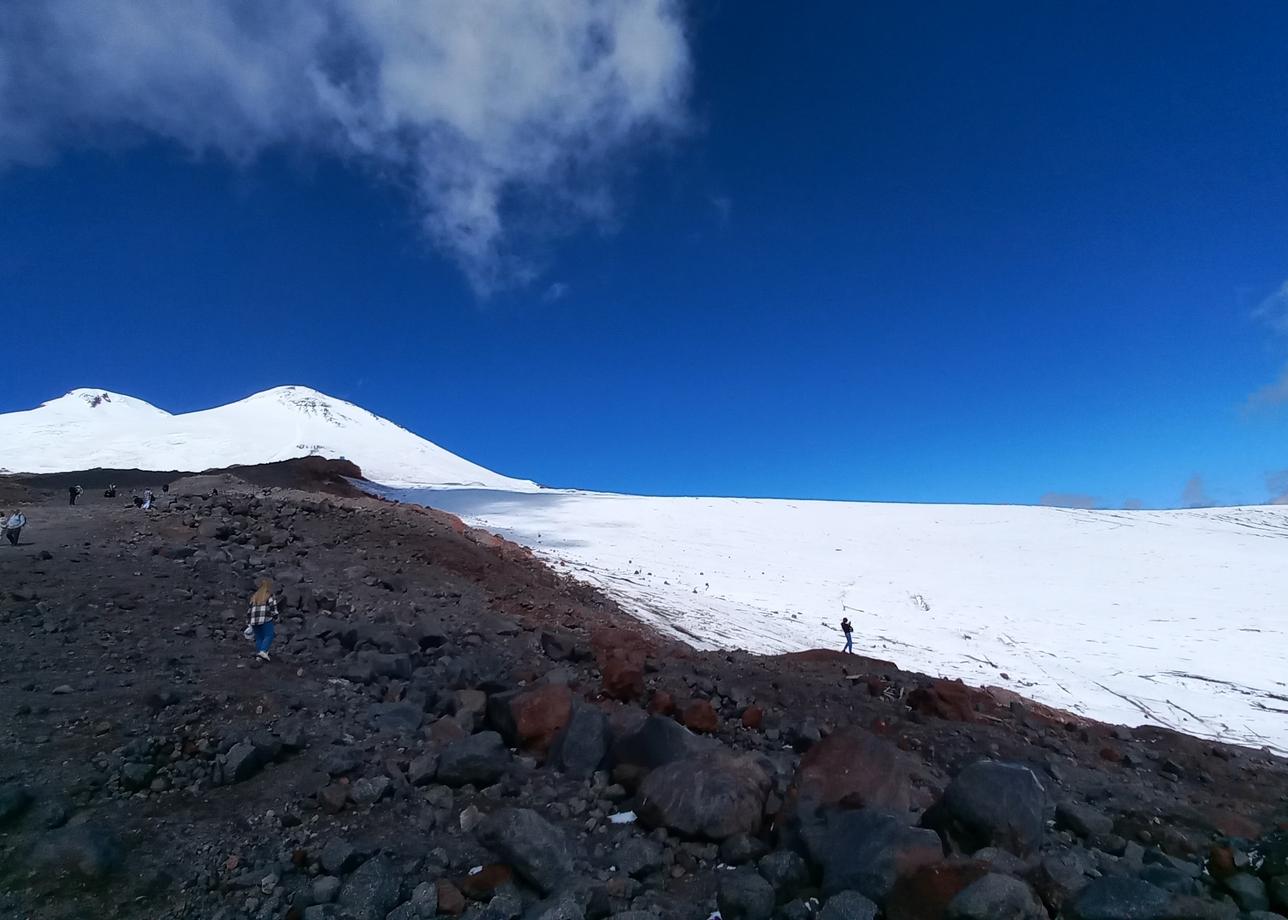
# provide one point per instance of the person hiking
(13, 527)
(147, 499)
(260, 617)
(849, 634)
(73, 493)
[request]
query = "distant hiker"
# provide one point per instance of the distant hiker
(138, 501)
(849, 634)
(165, 487)
(147, 499)
(110, 492)
(260, 617)
(73, 493)
(13, 527)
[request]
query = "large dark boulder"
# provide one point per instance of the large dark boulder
(580, 749)
(744, 895)
(396, 718)
(536, 849)
(866, 851)
(657, 742)
(996, 897)
(992, 804)
(1117, 898)
(372, 891)
(480, 759)
(853, 769)
(713, 795)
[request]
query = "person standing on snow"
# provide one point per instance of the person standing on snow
(13, 527)
(260, 617)
(849, 634)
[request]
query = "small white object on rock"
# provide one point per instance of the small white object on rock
(622, 817)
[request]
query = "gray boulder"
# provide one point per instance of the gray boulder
(848, 905)
(786, 870)
(713, 795)
(743, 894)
(396, 718)
(657, 742)
(536, 849)
(992, 804)
(581, 747)
(866, 850)
(638, 856)
(372, 891)
(479, 759)
(996, 897)
(1117, 898)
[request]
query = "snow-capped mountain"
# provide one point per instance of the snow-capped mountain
(95, 428)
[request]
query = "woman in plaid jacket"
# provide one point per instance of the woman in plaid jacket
(260, 617)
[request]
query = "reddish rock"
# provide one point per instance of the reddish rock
(539, 715)
(1109, 754)
(853, 769)
(622, 675)
(450, 899)
(701, 716)
(753, 717)
(482, 885)
(951, 700)
(924, 893)
(1221, 862)
(661, 703)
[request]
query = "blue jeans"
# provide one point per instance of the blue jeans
(264, 633)
(849, 642)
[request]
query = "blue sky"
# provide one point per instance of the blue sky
(946, 253)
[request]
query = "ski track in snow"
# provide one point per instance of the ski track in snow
(1172, 618)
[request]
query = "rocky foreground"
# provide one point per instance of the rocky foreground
(449, 728)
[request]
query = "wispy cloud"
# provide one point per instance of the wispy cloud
(1195, 495)
(556, 291)
(478, 107)
(1273, 312)
(1069, 500)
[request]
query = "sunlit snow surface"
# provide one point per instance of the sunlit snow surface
(1175, 618)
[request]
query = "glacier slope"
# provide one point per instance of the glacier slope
(1172, 618)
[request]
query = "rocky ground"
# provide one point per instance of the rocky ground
(449, 727)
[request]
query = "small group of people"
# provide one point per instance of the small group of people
(11, 526)
(73, 493)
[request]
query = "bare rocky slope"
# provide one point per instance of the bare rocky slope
(450, 727)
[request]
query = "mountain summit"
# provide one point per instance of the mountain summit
(97, 428)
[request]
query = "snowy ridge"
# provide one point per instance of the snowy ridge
(1172, 618)
(96, 428)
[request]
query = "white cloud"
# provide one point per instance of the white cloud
(474, 104)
